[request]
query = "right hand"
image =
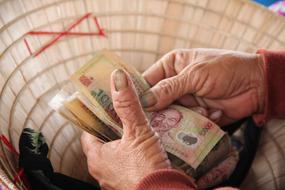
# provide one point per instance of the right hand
(121, 164)
(228, 84)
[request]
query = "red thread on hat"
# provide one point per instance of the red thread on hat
(20, 173)
(9, 145)
(28, 47)
(66, 32)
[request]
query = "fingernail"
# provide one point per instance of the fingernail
(121, 81)
(216, 115)
(148, 99)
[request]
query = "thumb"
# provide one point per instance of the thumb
(127, 105)
(165, 92)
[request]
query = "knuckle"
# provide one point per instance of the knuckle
(148, 133)
(130, 110)
(138, 126)
(166, 87)
(181, 51)
(173, 86)
(124, 103)
(127, 106)
(197, 73)
(198, 68)
(173, 52)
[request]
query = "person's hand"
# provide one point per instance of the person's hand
(122, 163)
(228, 84)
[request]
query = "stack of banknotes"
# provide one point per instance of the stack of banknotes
(194, 144)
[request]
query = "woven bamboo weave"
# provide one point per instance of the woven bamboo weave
(40, 50)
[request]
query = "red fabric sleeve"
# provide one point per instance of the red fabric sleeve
(166, 179)
(274, 63)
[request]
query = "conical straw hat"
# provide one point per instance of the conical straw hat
(44, 41)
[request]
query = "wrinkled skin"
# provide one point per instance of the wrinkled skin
(227, 83)
(122, 163)
(224, 85)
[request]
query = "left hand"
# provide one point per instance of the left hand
(122, 163)
(228, 84)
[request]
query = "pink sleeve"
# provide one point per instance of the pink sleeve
(274, 85)
(166, 179)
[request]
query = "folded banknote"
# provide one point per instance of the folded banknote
(184, 133)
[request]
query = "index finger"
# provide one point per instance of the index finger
(168, 66)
